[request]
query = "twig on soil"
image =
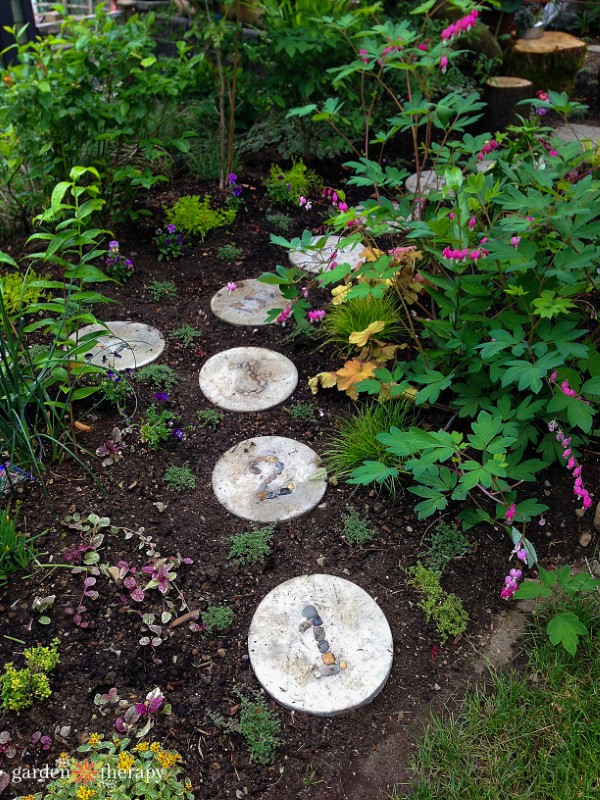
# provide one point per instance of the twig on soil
(191, 615)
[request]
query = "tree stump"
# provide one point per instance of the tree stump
(551, 62)
(502, 95)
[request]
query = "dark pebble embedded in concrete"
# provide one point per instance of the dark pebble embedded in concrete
(309, 612)
(316, 620)
(319, 634)
(331, 669)
(323, 646)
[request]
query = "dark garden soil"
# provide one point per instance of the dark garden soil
(359, 755)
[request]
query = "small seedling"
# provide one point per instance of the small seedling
(159, 290)
(252, 546)
(443, 609)
(159, 376)
(186, 335)
(209, 418)
(180, 478)
(229, 252)
(156, 427)
(279, 221)
(217, 618)
(445, 543)
(355, 530)
(301, 412)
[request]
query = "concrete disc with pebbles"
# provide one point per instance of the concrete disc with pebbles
(248, 304)
(320, 260)
(269, 479)
(428, 182)
(248, 379)
(320, 644)
(125, 345)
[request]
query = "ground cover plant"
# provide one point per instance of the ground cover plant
(439, 386)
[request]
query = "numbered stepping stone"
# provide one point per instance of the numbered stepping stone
(248, 379)
(287, 659)
(320, 260)
(125, 345)
(248, 304)
(269, 479)
(428, 182)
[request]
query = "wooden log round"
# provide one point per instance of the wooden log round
(550, 63)
(502, 94)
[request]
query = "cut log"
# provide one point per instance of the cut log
(502, 95)
(551, 62)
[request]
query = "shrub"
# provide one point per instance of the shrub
(355, 530)
(159, 376)
(20, 688)
(445, 610)
(193, 216)
(285, 187)
(251, 546)
(180, 478)
(217, 618)
(444, 544)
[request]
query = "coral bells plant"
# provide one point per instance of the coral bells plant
(169, 243)
(116, 265)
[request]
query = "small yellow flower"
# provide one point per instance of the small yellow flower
(141, 747)
(94, 739)
(28, 797)
(188, 784)
(167, 760)
(155, 747)
(126, 761)
(85, 794)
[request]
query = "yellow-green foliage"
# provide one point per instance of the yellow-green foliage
(17, 291)
(287, 186)
(20, 688)
(196, 217)
(446, 610)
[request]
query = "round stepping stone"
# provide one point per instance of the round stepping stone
(576, 131)
(428, 183)
(289, 665)
(269, 479)
(248, 304)
(320, 260)
(125, 345)
(248, 379)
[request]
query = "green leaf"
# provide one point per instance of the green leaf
(372, 472)
(565, 628)
(530, 589)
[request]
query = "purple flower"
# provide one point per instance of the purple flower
(179, 434)
(237, 190)
(114, 245)
(171, 228)
(141, 709)
(232, 177)
(161, 397)
(129, 263)
(515, 241)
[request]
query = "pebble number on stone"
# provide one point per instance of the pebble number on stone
(313, 620)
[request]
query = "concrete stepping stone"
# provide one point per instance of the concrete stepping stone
(319, 260)
(248, 379)
(575, 132)
(269, 479)
(428, 182)
(285, 642)
(125, 345)
(248, 304)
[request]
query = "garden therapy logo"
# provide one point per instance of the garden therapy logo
(108, 770)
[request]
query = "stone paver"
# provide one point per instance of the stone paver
(126, 345)
(269, 479)
(248, 304)
(248, 379)
(576, 131)
(319, 260)
(326, 664)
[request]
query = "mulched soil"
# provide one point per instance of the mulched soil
(359, 755)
